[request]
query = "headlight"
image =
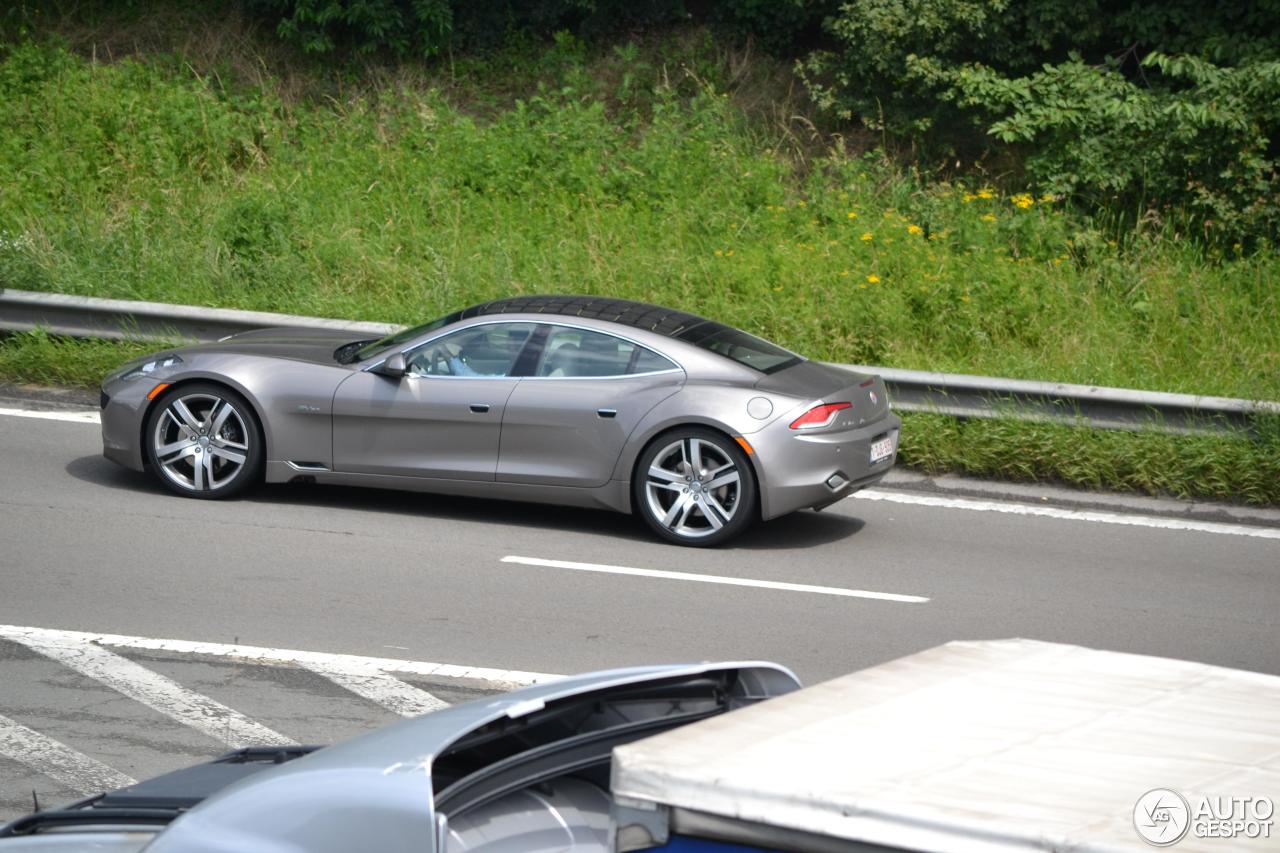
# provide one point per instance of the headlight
(152, 366)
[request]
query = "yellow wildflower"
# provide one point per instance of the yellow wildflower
(802, 203)
(1046, 198)
(729, 254)
(867, 237)
(852, 214)
(873, 279)
(914, 229)
(964, 298)
(988, 217)
(968, 197)
(719, 253)
(844, 273)
(1023, 200)
(862, 287)
(986, 193)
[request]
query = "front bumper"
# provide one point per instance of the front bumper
(800, 470)
(124, 406)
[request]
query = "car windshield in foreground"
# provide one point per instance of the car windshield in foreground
(404, 336)
(740, 346)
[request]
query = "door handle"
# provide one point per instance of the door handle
(607, 413)
(479, 408)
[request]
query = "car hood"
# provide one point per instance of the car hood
(375, 792)
(312, 345)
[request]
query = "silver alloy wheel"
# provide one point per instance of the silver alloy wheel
(693, 488)
(201, 442)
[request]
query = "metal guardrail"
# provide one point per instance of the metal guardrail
(958, 395)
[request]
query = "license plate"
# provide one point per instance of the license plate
(881, 449)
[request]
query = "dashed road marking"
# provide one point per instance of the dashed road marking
(43, 754)
(91, 654)
(376, 686)
(718, 579)
(156, 691)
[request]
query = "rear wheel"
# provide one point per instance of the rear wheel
(202, 441)
(695, 487)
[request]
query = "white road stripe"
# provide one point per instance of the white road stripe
(376, 686)
(152, 689)
(59, 762)
(88, 416)
(1152, 521)
(718, 579)
(1071, 514)
(499, 679)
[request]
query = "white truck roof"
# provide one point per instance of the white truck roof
(1005, 745)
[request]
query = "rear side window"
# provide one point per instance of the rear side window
(739, 346)
(576, 353)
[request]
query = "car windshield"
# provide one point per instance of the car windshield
(739, 346)
(403, 337)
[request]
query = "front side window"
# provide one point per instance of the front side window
(486, 350)
(574, 353)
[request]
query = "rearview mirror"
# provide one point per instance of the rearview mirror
(394, 366)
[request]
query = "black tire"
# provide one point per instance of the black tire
(681, 504)
(201, 462)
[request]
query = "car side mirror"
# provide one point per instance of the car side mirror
(394, 367)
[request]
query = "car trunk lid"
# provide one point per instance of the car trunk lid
(816, 381)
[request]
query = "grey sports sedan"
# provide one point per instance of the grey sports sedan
(697, 427)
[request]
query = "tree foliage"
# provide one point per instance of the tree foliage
(1144, 108)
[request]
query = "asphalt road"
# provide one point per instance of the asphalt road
(87, 546)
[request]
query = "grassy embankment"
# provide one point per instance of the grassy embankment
(654, 174)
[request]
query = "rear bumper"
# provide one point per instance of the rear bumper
(801, 470)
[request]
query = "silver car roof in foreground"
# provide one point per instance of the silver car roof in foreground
(970, 747)
(374, 792)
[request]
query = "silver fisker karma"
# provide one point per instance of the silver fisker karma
(697, 427)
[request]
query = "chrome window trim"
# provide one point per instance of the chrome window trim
(679, 368)
(413, 348)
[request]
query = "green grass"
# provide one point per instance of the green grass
(41, 359)
(657, 172)
(149, 180)
(1238, 467)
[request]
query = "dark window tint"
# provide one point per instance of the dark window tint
(569, 353)
(648, 361)
(741, 347)
(403, 337)
(488, 350)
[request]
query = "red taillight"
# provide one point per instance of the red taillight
(819, 416)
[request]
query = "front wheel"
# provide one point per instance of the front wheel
(202, 441)
(695, 487)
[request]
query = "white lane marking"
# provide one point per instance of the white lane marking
(500, 679)
(55, 759)
(158, 692)
(1152, 521)
(1071, 514)
(385, 690)
(83, 417)
(720, 579)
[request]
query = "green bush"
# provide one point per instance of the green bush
(1144, 110)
